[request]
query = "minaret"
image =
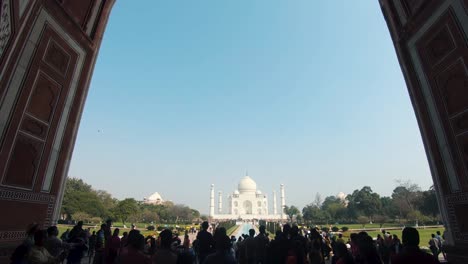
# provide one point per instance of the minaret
(283, 203)
(275, 211)
(220, 202)
(212, 207)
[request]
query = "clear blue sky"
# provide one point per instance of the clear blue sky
(305, 93)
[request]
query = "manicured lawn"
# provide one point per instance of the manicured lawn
(424, 234)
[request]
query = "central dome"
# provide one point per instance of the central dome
(246, 184)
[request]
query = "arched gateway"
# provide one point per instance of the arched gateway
(48, 49)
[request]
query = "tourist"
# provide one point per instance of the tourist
(99, 246)
(261, 244)
(124, 239)
(186, 243)
(164, 254)
(340, 239)
(65, 235)
(250, 247)
(80, 246)
(76, 231)
(38, 254)
(150, 246)
(114, 247)
(342, 254)
(53, 244)
(91, 246)
(223, 253)
(367, 253)
(396, 245)
(434, 246)
(205, 242)
(440, 243)
(132, 253)
(411, 253)
(315, 247)
(20, 253)
(298, 250)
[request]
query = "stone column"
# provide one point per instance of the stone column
(212, 203)
(275, 210)
(220, 202)
(283, 202)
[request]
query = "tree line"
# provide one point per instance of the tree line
(408, 204)
(83, 203)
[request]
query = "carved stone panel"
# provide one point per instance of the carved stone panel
(57, 58)
(453, 86)
(44, 98)
(24, 163)
(444, 52)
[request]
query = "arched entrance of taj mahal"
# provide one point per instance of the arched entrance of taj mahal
(47, 53)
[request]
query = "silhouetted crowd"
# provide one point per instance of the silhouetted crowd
(291, 245)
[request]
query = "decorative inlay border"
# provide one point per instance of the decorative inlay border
(5, 22)
(12, 235)
(452, 200)
(16, 195)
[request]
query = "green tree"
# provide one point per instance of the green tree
(363, 220)
(405, 197)
(364, 201)
(80, 197)
(380, 219)
(291, 211)
(126, 208)
(429, 205)
(81, 216)
(312, 214)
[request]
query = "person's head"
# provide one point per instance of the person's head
(340, 250)
(341, 235)
(286, 229)
(109, 223)
(116, 232)
(222, 243)
(353, 237)
(432, 235)
(166, 238)
(103, 226)
(383, 231)
(239, 239)
(136, 240)
(204, 225)
(278, 234)
(438, 233)
(410, 236)
(395, 237)
(379, 236)
(125, 234)
(40, 237)
(31, 229)
(80, 224)
(252, 232)
(294, 230)
(52, 231)
(220, 231)
(261, 229)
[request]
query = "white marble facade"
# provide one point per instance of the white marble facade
(246, 203)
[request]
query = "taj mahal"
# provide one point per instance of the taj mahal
(247, 203)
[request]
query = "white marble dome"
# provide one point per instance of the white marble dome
(341, 196)
(246, 184)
